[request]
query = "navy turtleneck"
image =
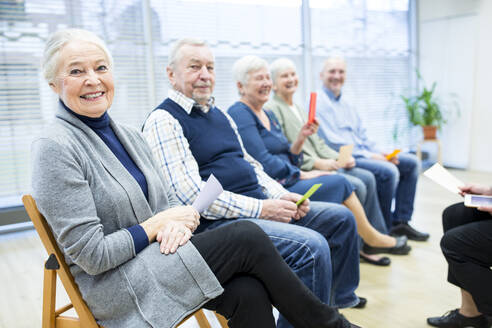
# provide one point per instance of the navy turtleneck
(101, 126)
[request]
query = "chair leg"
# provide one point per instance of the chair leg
(49, 298)
(202, 319)
(222, 320)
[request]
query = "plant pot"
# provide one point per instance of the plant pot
(430, 132)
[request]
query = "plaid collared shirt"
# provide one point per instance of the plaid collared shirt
(171, 149)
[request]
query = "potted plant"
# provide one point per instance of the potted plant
(423, 110)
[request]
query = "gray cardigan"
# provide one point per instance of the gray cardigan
(88, 198)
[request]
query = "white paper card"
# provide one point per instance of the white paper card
(208, 194)
(441, 176)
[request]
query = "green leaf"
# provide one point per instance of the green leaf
(422, 108)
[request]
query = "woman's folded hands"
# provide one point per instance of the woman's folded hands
(172, 227)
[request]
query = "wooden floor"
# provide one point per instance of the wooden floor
(402, 295)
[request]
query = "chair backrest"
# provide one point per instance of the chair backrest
(52, 318)
(85, 315)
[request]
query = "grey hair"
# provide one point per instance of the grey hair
(175, 54)
(279, 66)
(245, 65)
(61, 38)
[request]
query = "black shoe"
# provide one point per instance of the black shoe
(404, 229)
(383, 261)
(453, 319)
(362, 303)
(401, 248)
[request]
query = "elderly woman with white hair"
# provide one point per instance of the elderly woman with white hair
(263, 139)
(126, 239)
(317, 155)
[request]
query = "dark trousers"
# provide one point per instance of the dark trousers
(254, 277)
(467, 246)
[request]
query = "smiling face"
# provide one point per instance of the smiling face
(257, 90)
(286, 83)
(84, 81)
(193, 74)
(333, 75)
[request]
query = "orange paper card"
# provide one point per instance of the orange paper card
(393, 154)
(312, 107)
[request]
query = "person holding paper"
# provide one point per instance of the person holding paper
(264, 140)
(316, 154)
(126, 238)
(191, 138)
(467, 247)
(340, 124)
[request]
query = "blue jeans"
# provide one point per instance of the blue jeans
(335, 188)
(321, 249)
(397, 182)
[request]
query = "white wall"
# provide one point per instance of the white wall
(456, 52)
(481, 132)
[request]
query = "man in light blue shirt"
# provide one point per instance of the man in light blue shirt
(340, 124)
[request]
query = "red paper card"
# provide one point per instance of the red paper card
(312, 107)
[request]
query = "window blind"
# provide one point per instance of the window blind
(26, 101)
(373, 37)
(232, 29)
(372, 34)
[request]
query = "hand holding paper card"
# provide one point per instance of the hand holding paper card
(308, 193)
(393, 154)
(312, 107)
(344, 155)
(441, 176)
(208, 194)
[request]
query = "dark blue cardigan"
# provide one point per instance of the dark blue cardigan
(270, 148)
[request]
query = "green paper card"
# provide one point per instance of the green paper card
(308, 193)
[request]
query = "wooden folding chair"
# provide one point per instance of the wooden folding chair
(53, 318)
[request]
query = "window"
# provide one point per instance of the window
(373, 35)
(233, 29)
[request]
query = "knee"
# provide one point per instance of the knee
(449, 244)
(248, 234)
(316, 246)
(304, 250)
(394, 173)
(346, 221)
(413, 162)
(370, 181)
(360, 189)
(389, 173)
(410, 163)
(451, 216)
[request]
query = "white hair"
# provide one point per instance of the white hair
(245, 65)
(175, 54)
(61, 38)
(279, 66)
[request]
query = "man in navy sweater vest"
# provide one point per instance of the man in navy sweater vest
(191, 139)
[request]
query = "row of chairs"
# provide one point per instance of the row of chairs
(55, 266)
